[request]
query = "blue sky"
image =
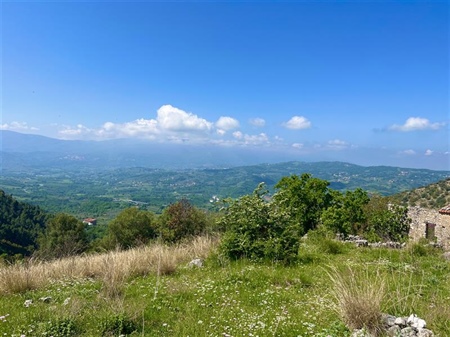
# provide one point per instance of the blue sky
(365, 82)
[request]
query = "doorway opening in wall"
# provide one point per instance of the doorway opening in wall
(430, 231)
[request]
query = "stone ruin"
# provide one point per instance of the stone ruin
(430, 224)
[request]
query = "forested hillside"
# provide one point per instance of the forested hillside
(434, 196)
(20, 225)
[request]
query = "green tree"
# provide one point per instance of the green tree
(304, 198)
(258, 229)
(131, 227)
(64, 236)
(386, 221)
(346, 213)
(181, 220)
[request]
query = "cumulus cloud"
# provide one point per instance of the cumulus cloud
(297, 123)
(428, 152)
(227, 123)
(298, 145)
(174, 119)
(171, 123)
(416, 124)
(258, 122)
(238, 135)
(17, 126)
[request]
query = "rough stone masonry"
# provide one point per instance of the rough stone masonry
(429, 222)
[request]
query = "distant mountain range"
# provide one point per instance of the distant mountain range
(25, 151)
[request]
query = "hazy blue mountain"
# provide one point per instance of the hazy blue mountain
(24, 151)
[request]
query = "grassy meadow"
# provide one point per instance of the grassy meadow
(151, 291)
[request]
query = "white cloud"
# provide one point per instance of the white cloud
(221, 132)
(227, 123)
(428, 152)
(298, 145)
(256, 139)
(238, 135)
(297, 123)
(416, 124)
(17, 126)
(140, 128)
(258, 122)
(171, 124)
(337, 144)
(409, 152)
(77, 131)
(174, 119)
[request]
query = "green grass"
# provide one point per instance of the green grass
(235, 298)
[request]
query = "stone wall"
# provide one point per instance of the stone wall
(421, 216)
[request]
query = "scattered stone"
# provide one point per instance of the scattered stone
(411, 326)
(446, 256)
(416, 322)
(400, 321)
(393, 331)
(46, 299)
(361, 333)
(361, 243)
(407, 332)
(196, 263)
(28, 303)
(388, 320)
(66, 301)
(425, 333)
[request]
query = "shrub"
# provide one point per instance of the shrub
(257, 229)
(181, 220)
(132, 227)
(62, 328)
(330, 246)
(117, 325)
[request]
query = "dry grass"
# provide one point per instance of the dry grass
(358, 295)
(111, 268)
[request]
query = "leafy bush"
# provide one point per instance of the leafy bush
(62, 328)
(181, 220)
(132, 227)
(257, 229)
(386, 221)
(117, 325)
(304, 198)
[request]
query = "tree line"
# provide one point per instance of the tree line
(257, 226)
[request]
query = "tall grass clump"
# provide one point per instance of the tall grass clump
(358, 296)
(114, 272)
(22, 277)
(111, 268)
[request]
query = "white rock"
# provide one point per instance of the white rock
(27, 303)
(400, 321)
(416, 322)
(196, 263)
(425, 333)
(393, 331)
(46, 299)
